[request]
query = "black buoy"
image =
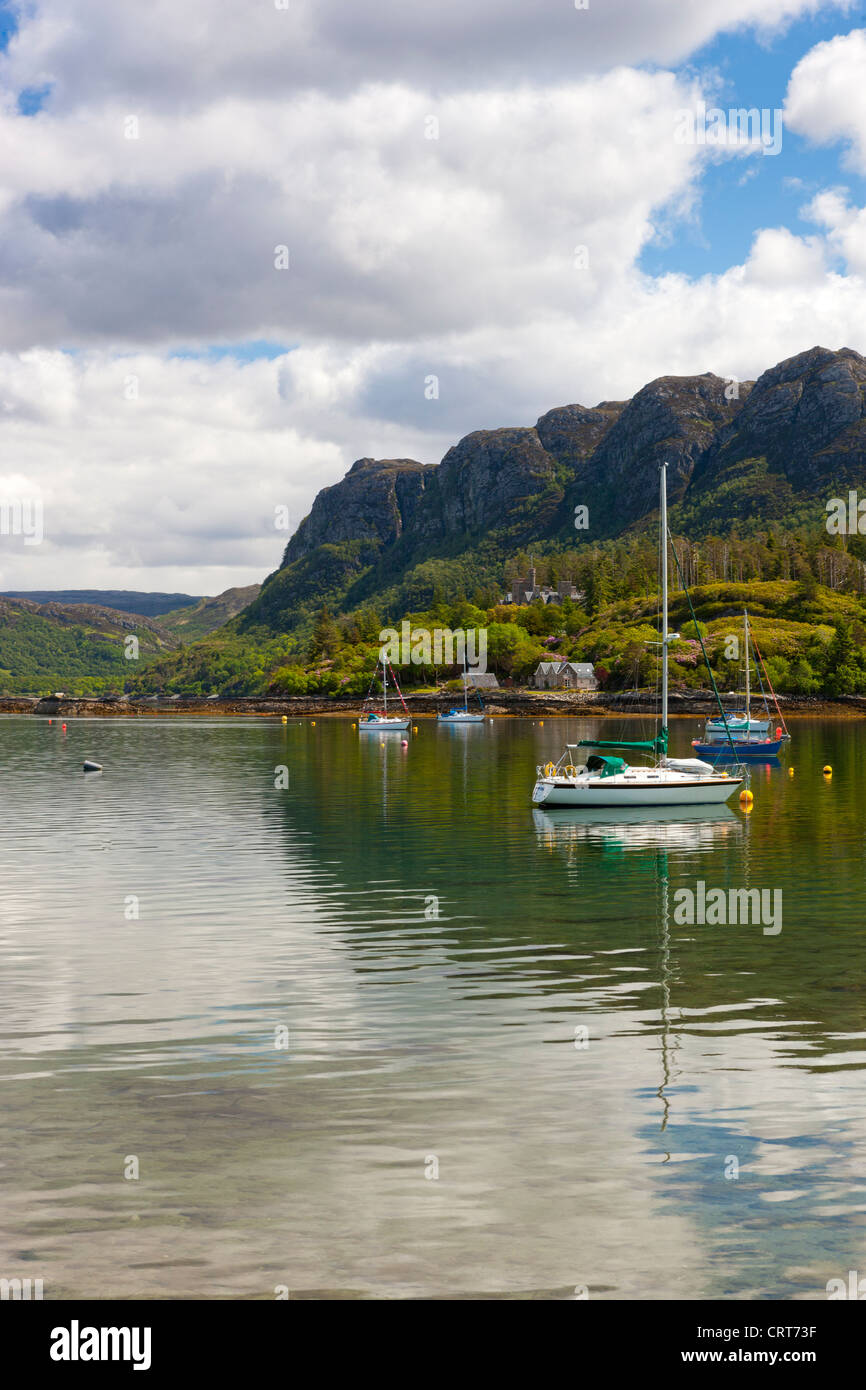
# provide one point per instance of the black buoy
(90, 766)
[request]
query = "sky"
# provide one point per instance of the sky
(246, 242)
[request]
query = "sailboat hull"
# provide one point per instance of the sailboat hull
(754, 749)
(460, 718)
(382, 726)
(626, 791)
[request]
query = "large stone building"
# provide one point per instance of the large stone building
(527, 590)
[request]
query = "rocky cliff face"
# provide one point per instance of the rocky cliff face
(376, 501)
(672, 420)
(482, 478)
(798, 432)
(806, 417)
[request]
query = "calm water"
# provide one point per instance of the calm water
(418, 1040)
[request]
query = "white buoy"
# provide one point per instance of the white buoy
(90, 766)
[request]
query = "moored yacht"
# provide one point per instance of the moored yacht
(604, 780)
(379, 720)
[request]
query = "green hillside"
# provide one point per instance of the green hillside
(813, 639)
(79, 648)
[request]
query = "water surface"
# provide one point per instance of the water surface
(428, 948)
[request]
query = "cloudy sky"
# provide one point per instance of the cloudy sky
(238, 238)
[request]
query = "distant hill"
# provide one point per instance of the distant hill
(123, 600)
(190, 623)
(79, 648)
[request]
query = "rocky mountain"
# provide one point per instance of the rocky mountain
(739, 455)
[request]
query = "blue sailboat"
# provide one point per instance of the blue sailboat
(738, 737)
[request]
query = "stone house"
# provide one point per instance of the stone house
(565, 675)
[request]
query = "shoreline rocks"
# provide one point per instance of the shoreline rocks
(506, 702)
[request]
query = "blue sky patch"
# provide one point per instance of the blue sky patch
(32, 99)
(8, 23)
(741, 195)
(251, 351)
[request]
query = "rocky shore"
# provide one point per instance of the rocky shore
(505, 702)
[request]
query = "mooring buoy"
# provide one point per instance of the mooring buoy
(90, 766)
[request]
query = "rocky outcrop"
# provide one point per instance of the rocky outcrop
(487, 475)
(672, 420)
(571, 433)
(806, 417)
(375, 502)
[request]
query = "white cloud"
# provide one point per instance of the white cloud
(169, 55)
(172, 236)
(845, 227)
(410, 256)
(826, 99)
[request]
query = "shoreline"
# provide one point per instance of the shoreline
(507, 703)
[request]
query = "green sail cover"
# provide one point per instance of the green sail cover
(659, 744)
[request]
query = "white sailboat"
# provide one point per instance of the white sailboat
(610, 781)
(379, 720)
(462, 716)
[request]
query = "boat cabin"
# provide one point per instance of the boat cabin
(605, 767)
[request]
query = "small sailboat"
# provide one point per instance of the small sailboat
(610, 781)
(739, 736)
(739, 726)
(379, 720)
(463, 716)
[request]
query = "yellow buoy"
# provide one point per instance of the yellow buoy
(382, 744)
(827, 769)
(414, 728)
(540, 722)
(285, 719)
(313, 722)
(746, 796)
(790, 772)
(354, 726)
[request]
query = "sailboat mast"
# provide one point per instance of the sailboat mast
(663, 522)
(748, 684)
(385, 683)
(465, 687)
